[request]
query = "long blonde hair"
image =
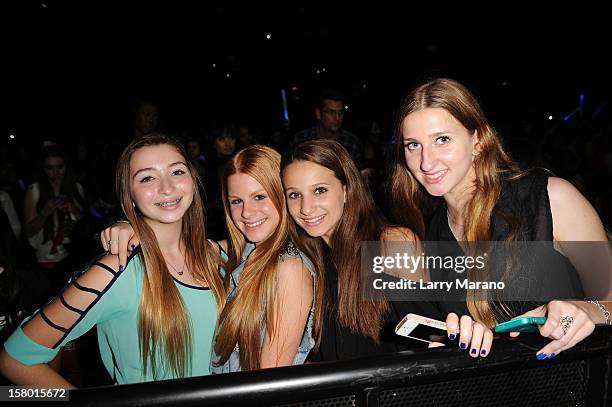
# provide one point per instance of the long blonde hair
(242, 317)
(491, 166)
(163, 322)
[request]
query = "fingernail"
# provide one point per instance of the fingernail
(451, 336)
(552, 355)
(483, 352)
(463, 345)
(120, 267)
(133, 246)
(541, 356)
(473, 351)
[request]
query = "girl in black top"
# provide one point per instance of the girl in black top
(328, 199)
(446, 148)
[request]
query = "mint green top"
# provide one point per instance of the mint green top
(115, 312)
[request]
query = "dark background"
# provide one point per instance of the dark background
(74, 69)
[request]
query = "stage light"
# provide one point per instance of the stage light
(268, 36)
(12, 136)
(318, 71)
(346, 107)
(323, 69)
(214, 65)
(227, 75)
(550, 117)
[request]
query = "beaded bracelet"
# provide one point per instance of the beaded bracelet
(603, 310)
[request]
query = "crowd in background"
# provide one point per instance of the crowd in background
(55, 196)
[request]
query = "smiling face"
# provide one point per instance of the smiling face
(439, 152)
(251, 208)
(315, 198)
(160, 183)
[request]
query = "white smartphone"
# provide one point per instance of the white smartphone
(421, 328)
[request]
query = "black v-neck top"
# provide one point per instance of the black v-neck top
(525, 201)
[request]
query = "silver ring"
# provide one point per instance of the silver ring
(111, 241)
(566, 323)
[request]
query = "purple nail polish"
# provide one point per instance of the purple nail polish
(133, 246)
(473, 351)
(120, 267)
(483, 352)
(552, 355)
(541, 356)
(451, 336)
(463, 345)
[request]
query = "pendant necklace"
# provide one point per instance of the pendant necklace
(180, 273)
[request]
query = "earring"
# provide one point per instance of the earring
(133, 204)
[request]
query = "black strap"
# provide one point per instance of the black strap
(70, 307)
(105, 267)
(90, 290)
(48, 321)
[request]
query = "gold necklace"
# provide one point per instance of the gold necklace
(180, 273)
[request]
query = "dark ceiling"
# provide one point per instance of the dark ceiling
(73, 67)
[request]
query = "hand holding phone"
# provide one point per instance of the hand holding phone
(524, 324)
(421, 328)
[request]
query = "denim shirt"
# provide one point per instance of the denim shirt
(307, 342)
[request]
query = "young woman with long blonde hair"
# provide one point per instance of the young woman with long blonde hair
(446, 148)
(268, 319)
(156, 312)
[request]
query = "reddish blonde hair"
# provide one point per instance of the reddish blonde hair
(242, 317)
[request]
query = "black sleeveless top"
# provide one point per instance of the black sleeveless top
(524, 201)
(339, 342)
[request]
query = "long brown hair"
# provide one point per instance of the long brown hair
(163, 321)
(360, 222)
(491, 166)
(242, 317)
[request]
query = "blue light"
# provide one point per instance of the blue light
(569, 116)
(285, 109)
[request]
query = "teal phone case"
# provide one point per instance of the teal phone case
(525, 324)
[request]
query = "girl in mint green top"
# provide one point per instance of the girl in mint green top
(157, 315)
(115, 313)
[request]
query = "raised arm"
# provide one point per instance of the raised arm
(295, 293)
(71, 314)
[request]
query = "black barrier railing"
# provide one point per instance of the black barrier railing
(510, 376)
